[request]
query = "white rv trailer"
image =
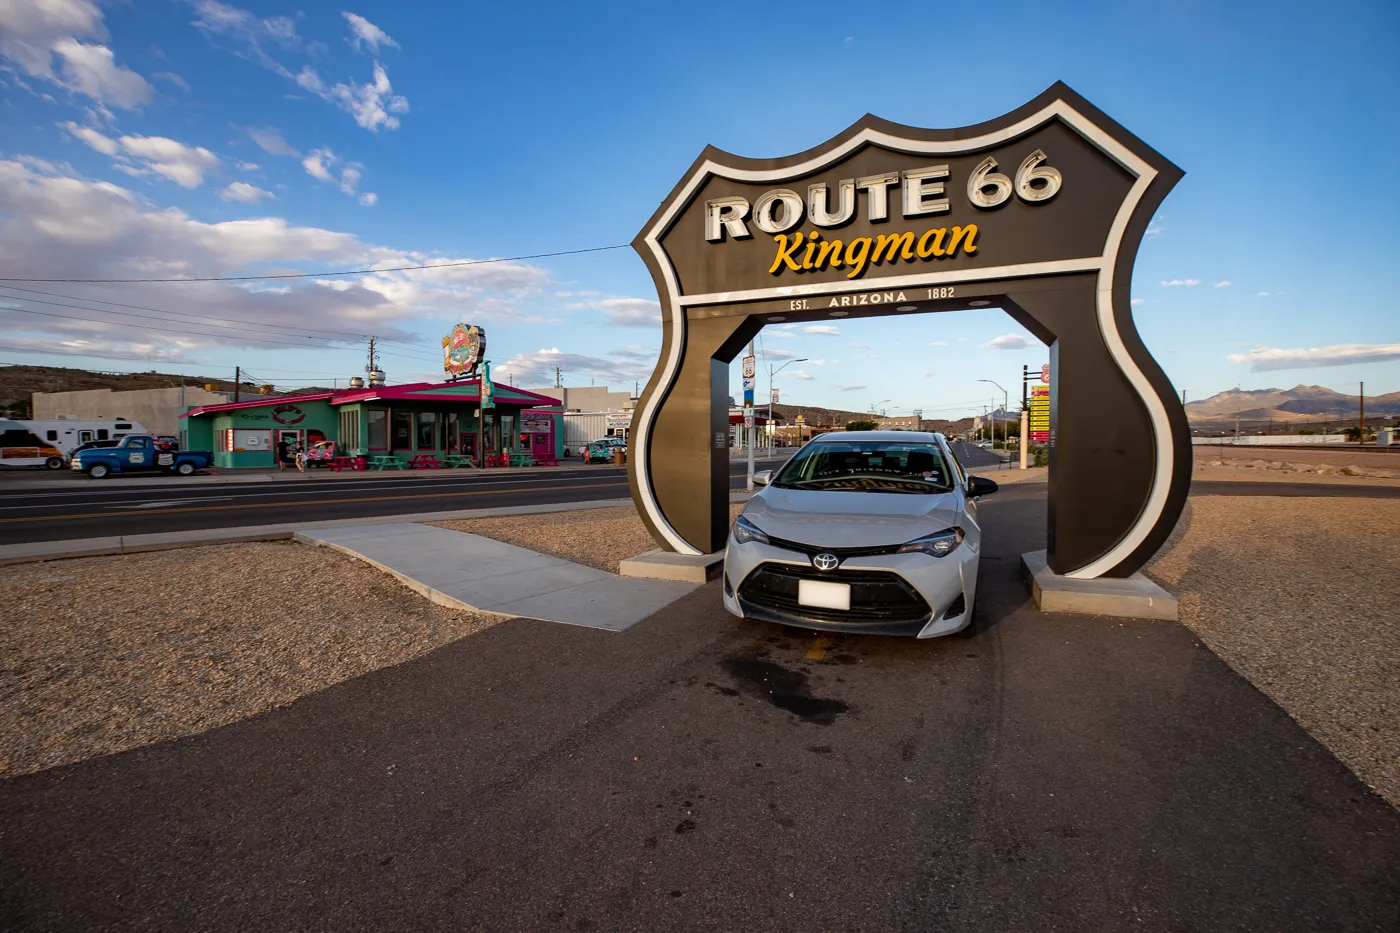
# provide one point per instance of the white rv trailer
(67, 433)
(19, 447)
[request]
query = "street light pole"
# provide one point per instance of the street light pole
(1005, 404)
(771, 373)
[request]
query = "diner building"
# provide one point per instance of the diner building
(423, 420)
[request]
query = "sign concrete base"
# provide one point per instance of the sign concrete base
(1134, 597)
(668, 565)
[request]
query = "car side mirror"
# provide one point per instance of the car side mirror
(763, 477)
(980, 486)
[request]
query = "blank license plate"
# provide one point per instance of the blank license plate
(824, 595)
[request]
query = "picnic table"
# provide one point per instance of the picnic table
(520, 458)
(544, 459)
(458, 460)
(424, 462)
(380, 461)
(496, 460)
(339, 463)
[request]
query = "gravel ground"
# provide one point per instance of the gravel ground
(1313, 466)
(1297, 595)
(104, 654)
(599, 538)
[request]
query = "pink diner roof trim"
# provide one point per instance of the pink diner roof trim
(418, 391)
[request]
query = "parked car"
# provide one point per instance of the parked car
(601, 451)
(320, 453)
(861, 531)
(90, 445)
(138, 453)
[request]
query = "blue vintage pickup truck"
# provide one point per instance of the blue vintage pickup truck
(136, 453)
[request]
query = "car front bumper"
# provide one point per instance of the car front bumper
(755, 577)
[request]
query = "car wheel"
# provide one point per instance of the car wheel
(54, 463)
(185, 469)
(99, 470)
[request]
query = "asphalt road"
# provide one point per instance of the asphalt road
(42, 507)
(697, 772)
(118, 507)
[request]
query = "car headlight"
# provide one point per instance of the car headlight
(746, 531)
(939, 545)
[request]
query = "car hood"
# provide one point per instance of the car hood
(827, 518)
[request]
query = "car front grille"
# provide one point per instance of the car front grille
(876, 595)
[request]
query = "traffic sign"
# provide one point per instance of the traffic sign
(1045, 374)
(749, 383)
(748, 367)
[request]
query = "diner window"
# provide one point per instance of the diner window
(102, 434)
(51, 435)
(122, 426)
(402, 424)
(378, 428)
(427, 430)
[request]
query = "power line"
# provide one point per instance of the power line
(190, 314)
(322, 275)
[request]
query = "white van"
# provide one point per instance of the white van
(67, 433)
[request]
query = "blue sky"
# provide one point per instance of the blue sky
(181, 138)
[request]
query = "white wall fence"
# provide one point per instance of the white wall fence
(1259, 440)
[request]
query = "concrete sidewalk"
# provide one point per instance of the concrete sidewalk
(466, 571)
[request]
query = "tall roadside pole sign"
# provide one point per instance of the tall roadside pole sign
(749, 379)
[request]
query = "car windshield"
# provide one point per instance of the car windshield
(868, 466)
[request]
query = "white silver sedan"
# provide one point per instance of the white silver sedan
(861, 531)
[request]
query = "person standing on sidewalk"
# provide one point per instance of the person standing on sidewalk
(281, 454)
(301, 459)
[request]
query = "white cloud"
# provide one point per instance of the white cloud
(619, 366)
(1008, 342)
(929, 372)
(367, 33)
(34, 34)
(629, 312)
(317, 164)
(251, 35)
(245, 193)
(271, 142)
(850, 388)
(1175, 283)
(372, 104)
(309, 79)
(1262, 294)
(1266, 359)
(142, 155)
(826, 329)
(1154, 231)
(321, 164)
(1135, 302)
(938, 343)
(1223, 283)
(55, 224)
(247, 166)
(798, 374)
(773, 353)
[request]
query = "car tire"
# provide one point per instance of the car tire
(99, 471)
(54, 463)
(185, 469)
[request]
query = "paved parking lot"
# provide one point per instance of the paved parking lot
(698, 772)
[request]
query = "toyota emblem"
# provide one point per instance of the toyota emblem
(826, 561)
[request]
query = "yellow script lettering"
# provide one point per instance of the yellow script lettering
(857, 253)
(785, 253)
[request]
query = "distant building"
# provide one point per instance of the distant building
(903, 423)
(157, 409)
(589, 398)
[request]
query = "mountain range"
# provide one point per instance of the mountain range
(1298, 404)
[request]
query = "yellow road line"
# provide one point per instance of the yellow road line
(818, 649)
(283, 505)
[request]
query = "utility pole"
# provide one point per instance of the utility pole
(237, 376)
(558, 378)
(749, 373)
(1361, 425)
